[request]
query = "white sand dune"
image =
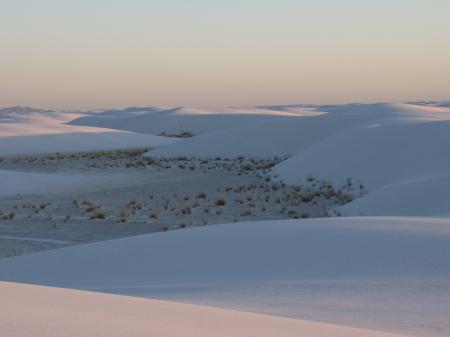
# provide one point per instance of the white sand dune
(30, 131)
(20, 183)
(288, 136)
(156, 120)
(376, 273)
(389, 148)
(425, 196)
(392, 149)
(46, 312)
(378, 155)
(393, 161)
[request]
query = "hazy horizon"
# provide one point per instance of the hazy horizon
(112, 54)
(248, 106)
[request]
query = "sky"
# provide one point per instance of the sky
(86, 54)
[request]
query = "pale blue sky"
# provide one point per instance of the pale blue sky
(97, 53)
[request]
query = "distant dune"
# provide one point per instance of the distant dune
(156, 120)
(35, 131)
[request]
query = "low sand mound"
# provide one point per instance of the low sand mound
(73, 141)
(24, 182)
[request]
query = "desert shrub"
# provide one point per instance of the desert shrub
(246, 213)
(92, 208)
(307, 197)
(4, 216)
(97, 214)
(186, 210)
(247, 167)
(122, 216)
(201, 195)
(153, 213)
(134, 204)
(221, 201)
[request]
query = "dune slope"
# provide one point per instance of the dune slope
(393, 155)
(58, 312)
(30, 131)
(377, 273)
